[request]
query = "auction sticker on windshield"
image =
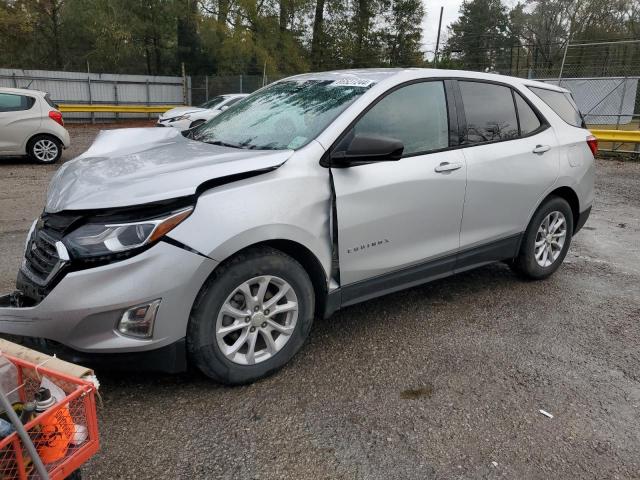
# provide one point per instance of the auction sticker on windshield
(351, 82)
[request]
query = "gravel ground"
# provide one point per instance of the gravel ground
(440, 381)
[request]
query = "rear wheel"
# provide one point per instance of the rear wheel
(251, 317)
(546, 240)
(44, 149)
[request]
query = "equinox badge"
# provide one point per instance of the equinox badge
(365, 246)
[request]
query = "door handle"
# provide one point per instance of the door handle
(540, 149)
(447, 167)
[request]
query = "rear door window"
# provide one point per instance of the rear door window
(415, 114)
(562, 103)
(10, 102)
(529, 121)
(489, 111)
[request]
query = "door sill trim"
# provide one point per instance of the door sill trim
(423, 272)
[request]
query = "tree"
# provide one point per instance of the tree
(189, 49)
(291, 36)
(478, 39)
(49, 16)
(365, 51)
(403, 34)
(16, 29)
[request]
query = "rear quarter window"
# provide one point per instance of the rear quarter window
(529, 121)
(562, 103)
(51, 103)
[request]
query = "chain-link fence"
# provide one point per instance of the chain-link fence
(607, 103)
(602, 76)
(551, 60)
(101, 89)
(116, 89)
(202, 88)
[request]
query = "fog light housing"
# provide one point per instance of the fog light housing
(138, 321)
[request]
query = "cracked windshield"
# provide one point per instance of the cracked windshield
(284, 116)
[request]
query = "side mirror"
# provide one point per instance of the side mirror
(223, 108)
(364, 149)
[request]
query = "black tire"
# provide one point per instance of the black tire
(37, 156)
(196, 123)
(525, 263)
(202, 346)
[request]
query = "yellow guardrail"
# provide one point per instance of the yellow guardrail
(622, 136)
(80, 107)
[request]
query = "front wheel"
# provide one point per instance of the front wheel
(546, 240)
(251, 317)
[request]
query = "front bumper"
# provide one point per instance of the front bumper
(82, 311)
(169, 359)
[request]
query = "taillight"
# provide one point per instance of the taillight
(593, 144)
(56, 116)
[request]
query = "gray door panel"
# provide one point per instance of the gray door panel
(505, 181)
(395, 214)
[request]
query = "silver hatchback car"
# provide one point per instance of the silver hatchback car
(220, 245)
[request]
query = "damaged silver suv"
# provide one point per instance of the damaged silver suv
(220, 245)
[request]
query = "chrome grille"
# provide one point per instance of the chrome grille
(41, 259)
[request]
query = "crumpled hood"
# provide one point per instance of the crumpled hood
(133, 166)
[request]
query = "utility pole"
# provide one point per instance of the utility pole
(264, 74)
(564, 57)
(184, 85)
(93, 116)
(435, 57)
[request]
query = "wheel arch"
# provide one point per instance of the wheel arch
(41, 134)
(572, 199)
(312, 266)
(299, 252)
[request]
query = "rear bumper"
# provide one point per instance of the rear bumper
(66, 138)
(582, 219)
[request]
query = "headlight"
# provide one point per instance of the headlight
(97, 240)
(181, 117)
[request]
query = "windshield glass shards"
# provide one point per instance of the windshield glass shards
(284, 116)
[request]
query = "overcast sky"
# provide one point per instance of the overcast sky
(430, 23)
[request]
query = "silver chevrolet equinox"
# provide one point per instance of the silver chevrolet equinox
(221, 244)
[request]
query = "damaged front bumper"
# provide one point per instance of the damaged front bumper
(83, 310)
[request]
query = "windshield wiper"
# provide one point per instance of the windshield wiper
(225, 144)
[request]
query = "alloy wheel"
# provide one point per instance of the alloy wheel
(257, 320)
(45, 150)
(550, 238)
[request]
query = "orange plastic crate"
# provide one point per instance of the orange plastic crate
(15, 462)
